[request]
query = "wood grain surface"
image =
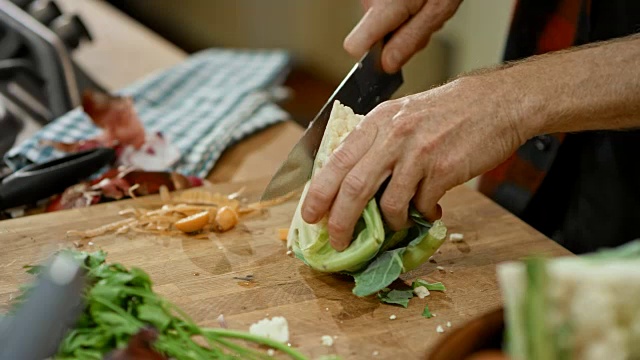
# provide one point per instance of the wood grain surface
(198, 274)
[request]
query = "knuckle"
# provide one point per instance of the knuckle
(392, 208)
(442, 167)
(414, 41)
(426, 148)
(317, 195)
(430, 145)
(354, 186)
(401, 126)
(343, 159)
(336, 226)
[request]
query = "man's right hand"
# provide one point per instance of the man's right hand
(412, 21)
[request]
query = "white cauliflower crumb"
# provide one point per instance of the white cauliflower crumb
(327, 340)
(455, 237)
(421, 291)
(271, 352)
(440, 329)
(392, 317)
(448, 323)
(440, 268)
(376, 353)
(289, 252)
(275, 328)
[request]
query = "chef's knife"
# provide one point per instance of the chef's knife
(366, 86)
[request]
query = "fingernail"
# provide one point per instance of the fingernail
(337, 244)
(394, 59)
(309, 215)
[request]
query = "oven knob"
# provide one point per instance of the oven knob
(44, 11)
(70, 29)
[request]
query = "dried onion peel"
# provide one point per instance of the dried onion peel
(195, 212)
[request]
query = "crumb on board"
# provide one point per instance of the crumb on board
(222, 321)
(392, 317)
(283, 233)
(376, 353)
(275, 328)
(439, 329)
(456, 237)
(440, 268)
(271, 352)
(289, 252)
(421, 292)
(448, 323)
(327, 340)
(432, 259)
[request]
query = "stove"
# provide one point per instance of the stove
(39, 80)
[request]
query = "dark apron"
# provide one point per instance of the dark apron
(590, 197)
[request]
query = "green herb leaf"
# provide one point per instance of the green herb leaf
(33, 269)
(154, 315)
(437, 286)
(426, 312)
(105, 291)
(86, 339)
(397, 297)
(379, 274)
(140, 278)
(118, 304)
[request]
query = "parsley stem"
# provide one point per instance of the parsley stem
(294, 354)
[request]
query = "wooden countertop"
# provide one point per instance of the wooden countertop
(197, 274)
(315, 304)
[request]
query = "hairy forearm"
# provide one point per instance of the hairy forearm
(595, 87)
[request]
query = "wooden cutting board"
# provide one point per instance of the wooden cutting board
(198, 274)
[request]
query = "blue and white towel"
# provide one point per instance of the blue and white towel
(205, 104)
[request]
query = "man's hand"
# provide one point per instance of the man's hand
(428, 143)
(412, 21)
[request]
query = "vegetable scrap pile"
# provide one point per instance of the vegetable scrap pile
(124, 316)
(377, 256)
(115, 115)
(195, 212)
(117, 184)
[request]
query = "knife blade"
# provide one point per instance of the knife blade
(364, 87)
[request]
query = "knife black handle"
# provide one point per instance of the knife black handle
(38, 181)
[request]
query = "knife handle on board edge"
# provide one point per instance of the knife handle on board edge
(39, 324)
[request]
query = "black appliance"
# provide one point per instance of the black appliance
(39, 80)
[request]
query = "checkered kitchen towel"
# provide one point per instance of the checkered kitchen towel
(203, 105)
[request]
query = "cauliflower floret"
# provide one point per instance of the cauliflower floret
(275, 328)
